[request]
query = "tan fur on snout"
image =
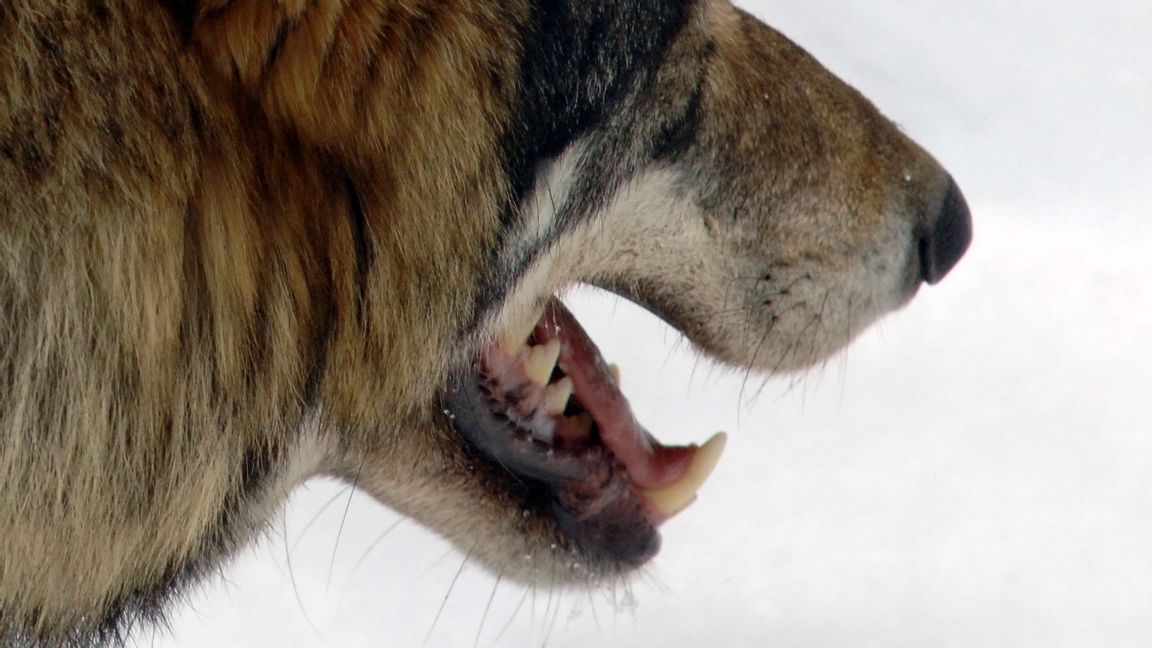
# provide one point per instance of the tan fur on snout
(245, 242)
(789, 225)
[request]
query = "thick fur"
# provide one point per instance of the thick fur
(243, 242)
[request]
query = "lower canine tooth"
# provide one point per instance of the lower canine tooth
(615, 371)
(670, 500)
(541, 360)
(556, 396)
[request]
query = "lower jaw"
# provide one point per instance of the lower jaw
(608, 484)
(603, 513)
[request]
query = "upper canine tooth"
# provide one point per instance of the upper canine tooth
(516, 335)
(540, 361)
(670, 500)
(556, 396)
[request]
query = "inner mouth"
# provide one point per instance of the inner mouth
(545, 406)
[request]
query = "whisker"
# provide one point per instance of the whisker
(752, 366)
(553, 595)
(552, 201)
(791, 348)
(435, 564)
(364, 556)
(487, 609)
(552, 624)
(316, 516)
(844, 355)
(444, 602)
(532, 612)
(512, 618)
(340, 530)
(595, 617)
(613, 600)
(292, 579)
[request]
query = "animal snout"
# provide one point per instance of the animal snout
(946, 239)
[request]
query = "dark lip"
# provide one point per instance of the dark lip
(589, 492)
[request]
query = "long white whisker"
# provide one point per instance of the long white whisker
(512, 618)
(316, 516)
(292, 579)
(487, 609)
(364, 556)
(444, 602)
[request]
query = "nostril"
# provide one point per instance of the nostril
(947, 237)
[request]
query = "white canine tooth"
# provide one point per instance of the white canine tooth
(539, 362)
(670, 500)
(614, 369)
(556, 396)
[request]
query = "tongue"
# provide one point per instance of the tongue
(650, 464)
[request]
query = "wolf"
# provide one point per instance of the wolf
(248, 242)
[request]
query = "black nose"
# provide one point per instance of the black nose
(947, 238)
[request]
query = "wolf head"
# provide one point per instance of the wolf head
(695, 161)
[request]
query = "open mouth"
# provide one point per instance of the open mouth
(546, 407)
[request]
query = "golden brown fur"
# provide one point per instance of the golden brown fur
(241, 239)
(169, 286)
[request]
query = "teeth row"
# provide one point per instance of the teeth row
(539, 364)
(541, 360)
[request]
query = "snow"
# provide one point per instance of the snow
(975, 471)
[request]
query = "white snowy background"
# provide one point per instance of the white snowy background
(975, 471)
